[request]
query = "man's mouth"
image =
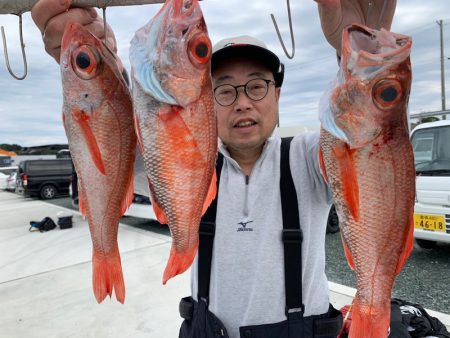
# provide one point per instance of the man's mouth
(244, 124)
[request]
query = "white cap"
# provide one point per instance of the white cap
(250, 47)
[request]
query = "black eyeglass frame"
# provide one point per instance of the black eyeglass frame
(268, 83)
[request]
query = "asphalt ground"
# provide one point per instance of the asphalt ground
(424, 280)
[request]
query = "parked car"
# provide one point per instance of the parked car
(431, 146)
(44, 178)
(11, 182)
(4, 174)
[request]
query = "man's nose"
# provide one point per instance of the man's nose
(243, 102)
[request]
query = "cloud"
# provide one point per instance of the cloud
(30, 110)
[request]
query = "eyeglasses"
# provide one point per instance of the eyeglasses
(255, 90)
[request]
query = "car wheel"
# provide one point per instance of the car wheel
(333, 221)
(48, 192)
(424, 244)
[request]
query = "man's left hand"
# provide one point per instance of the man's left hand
(336, 14)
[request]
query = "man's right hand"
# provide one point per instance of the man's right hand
(52, 16)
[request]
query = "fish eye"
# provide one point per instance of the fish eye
(387, 93)
(200, 49)
(86, 62)
(83, 60)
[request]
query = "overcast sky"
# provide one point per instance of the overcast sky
(30, 110)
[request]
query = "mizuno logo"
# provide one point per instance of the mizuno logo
(243, 226)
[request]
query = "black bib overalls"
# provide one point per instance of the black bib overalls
(201, 323)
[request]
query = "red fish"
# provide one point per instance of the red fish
(98, 119)
(175, 122)
(367, 158)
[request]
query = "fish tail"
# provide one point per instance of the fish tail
(107, 275)
(365, 325)
(178, 262)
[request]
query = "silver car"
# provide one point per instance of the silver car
(11, 182)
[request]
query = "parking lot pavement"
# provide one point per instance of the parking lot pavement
(45, 280)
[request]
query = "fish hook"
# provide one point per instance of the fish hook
(290, 56)
(378, 26)
(22, 46)
(104, 24)
(369, 14)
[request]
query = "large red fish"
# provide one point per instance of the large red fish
(175, 122)
(98, 119)
(367, 158)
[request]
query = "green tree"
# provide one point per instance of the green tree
(429, 119)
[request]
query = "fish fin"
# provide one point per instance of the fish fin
(159, 212)
(83, 121)
(107, 275)
(178, 262)
(81, 203)
(348, 253)
(349, 178)
(322, 167)
(128, 197)
(212, 191)
(409, 244)
(365, 324)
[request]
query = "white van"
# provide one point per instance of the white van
(431, 145)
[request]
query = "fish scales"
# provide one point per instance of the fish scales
(367, 159)
(175, 121)
(99, 124)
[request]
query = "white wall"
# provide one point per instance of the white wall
(17, 159)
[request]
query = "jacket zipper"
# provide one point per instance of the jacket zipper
(247, 181)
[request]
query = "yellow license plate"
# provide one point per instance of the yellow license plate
(429, 222)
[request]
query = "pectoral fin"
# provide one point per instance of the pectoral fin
(83, 121)
(344, 157)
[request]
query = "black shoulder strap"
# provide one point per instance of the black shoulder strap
(292, 234)
(206, 239)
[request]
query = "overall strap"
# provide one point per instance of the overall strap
(292, 234)
(206, 239)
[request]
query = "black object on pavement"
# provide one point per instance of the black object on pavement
(45, 225)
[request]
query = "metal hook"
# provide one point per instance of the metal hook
(290, 56)
(24, 57)
(104, 25)
(378, 26)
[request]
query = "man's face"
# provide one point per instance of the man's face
(245, 124)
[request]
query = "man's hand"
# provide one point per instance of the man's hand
(51, 17)
(336, 14)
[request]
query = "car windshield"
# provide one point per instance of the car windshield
(432, 151)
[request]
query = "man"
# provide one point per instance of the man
(247, 283)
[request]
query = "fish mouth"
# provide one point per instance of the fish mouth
(374, 44)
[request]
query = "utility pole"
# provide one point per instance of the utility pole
(441, 26)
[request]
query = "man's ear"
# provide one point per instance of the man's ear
(277, 93)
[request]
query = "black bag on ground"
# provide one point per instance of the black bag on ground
(418, 322)
(45, 225)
